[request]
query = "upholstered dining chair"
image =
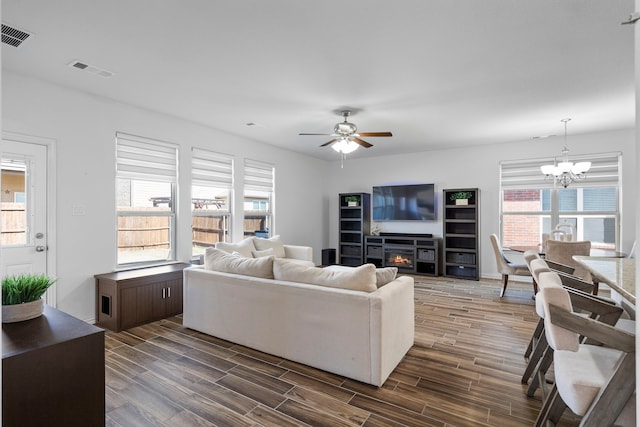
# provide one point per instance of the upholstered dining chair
(506, 267)
(563, 252)
(595, 381)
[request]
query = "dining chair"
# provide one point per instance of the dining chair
(596, 382)
(562, 252)
(506, 267)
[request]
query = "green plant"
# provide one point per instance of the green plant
(352, 199)
(24, 288)
(461, 195)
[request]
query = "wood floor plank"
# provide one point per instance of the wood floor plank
(464, 370)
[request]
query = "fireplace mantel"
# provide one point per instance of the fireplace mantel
(410, 253)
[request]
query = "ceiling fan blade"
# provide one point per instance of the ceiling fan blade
(329, 142)
(325, 134)
(375, 134)
(361, 142)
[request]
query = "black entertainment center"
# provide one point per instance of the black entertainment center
(412, 254)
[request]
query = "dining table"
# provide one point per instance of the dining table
(618, 273)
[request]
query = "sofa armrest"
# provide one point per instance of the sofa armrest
(298, 252)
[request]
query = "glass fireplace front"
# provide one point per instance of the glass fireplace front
(400, 257)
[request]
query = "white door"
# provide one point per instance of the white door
(23, 217)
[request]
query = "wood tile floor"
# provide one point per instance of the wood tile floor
(464, 370)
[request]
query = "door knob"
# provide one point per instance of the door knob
(40, 248)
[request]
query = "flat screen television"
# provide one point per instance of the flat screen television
(414, 202)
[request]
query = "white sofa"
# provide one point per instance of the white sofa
(357, 334)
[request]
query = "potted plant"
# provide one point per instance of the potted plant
(352, 200)
(22, 296)
(461, 197)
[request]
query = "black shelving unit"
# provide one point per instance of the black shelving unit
(355, 223)
(460, 234)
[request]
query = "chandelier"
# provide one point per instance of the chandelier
(566, 172)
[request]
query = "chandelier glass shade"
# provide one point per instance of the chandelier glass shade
(566, 172)
(345, 146)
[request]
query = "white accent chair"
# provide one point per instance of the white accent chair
(506, 267)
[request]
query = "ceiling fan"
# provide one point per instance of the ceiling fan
(347, 136)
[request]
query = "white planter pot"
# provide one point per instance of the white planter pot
(352, 204)
(21, 312)
(462, 202)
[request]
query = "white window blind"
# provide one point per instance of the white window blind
(146, 159)
(525, 174)
(211, 169)
(258, 176)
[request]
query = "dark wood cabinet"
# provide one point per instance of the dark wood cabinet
(354, 224)
(461, 228)
(53, 372)
(125, 299)
(411, 254)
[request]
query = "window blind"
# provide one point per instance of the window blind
(525, 174)
(258, 176)
(146, 159)
(211, 169)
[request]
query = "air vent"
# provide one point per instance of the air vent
(13, 36)
(91, 69)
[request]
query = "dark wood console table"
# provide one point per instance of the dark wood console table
(125, 299)
(411, 254)
(52, 372)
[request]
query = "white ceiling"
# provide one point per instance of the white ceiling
(437, 73)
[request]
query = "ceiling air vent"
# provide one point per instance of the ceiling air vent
(13, 36)
(91, 69)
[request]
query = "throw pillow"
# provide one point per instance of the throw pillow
(266, 252)
(361, 278)
(385, 275)
(244, 247)
(219, 260)
(272, 243)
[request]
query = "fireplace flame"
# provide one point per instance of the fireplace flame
(400, 260)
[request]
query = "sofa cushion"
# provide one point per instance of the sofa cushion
(272, 243)
(361, 278)
(219, 260)
(385, 275)
(266, 252)
(243, 247)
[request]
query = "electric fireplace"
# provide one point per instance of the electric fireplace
(403, 258)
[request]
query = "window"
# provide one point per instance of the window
(258, 197)
(146, 181)
(14, 218)
(211, 197)
(532, 205)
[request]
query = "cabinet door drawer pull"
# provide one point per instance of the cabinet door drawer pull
(168, 292)
(163, 292)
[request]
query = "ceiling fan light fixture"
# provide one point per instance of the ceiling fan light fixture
(345, 146)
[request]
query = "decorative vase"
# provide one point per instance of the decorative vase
(20, 312)
(462, 202)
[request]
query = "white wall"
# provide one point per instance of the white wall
(84, 128)
(478, 167)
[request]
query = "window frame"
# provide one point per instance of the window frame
(606, 172)
(144, 159)
(215, 170)
(259, 177)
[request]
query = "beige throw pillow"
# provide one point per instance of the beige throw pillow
(385, 275)
(219, 260)
(272, 243)
(266, 252)
(244, 247)
(361, 278)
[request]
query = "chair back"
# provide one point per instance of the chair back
(558, 337)
(538, 266)
(502, 263)
(563, 252)
(530, 255)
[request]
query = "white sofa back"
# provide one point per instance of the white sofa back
(360, 335)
